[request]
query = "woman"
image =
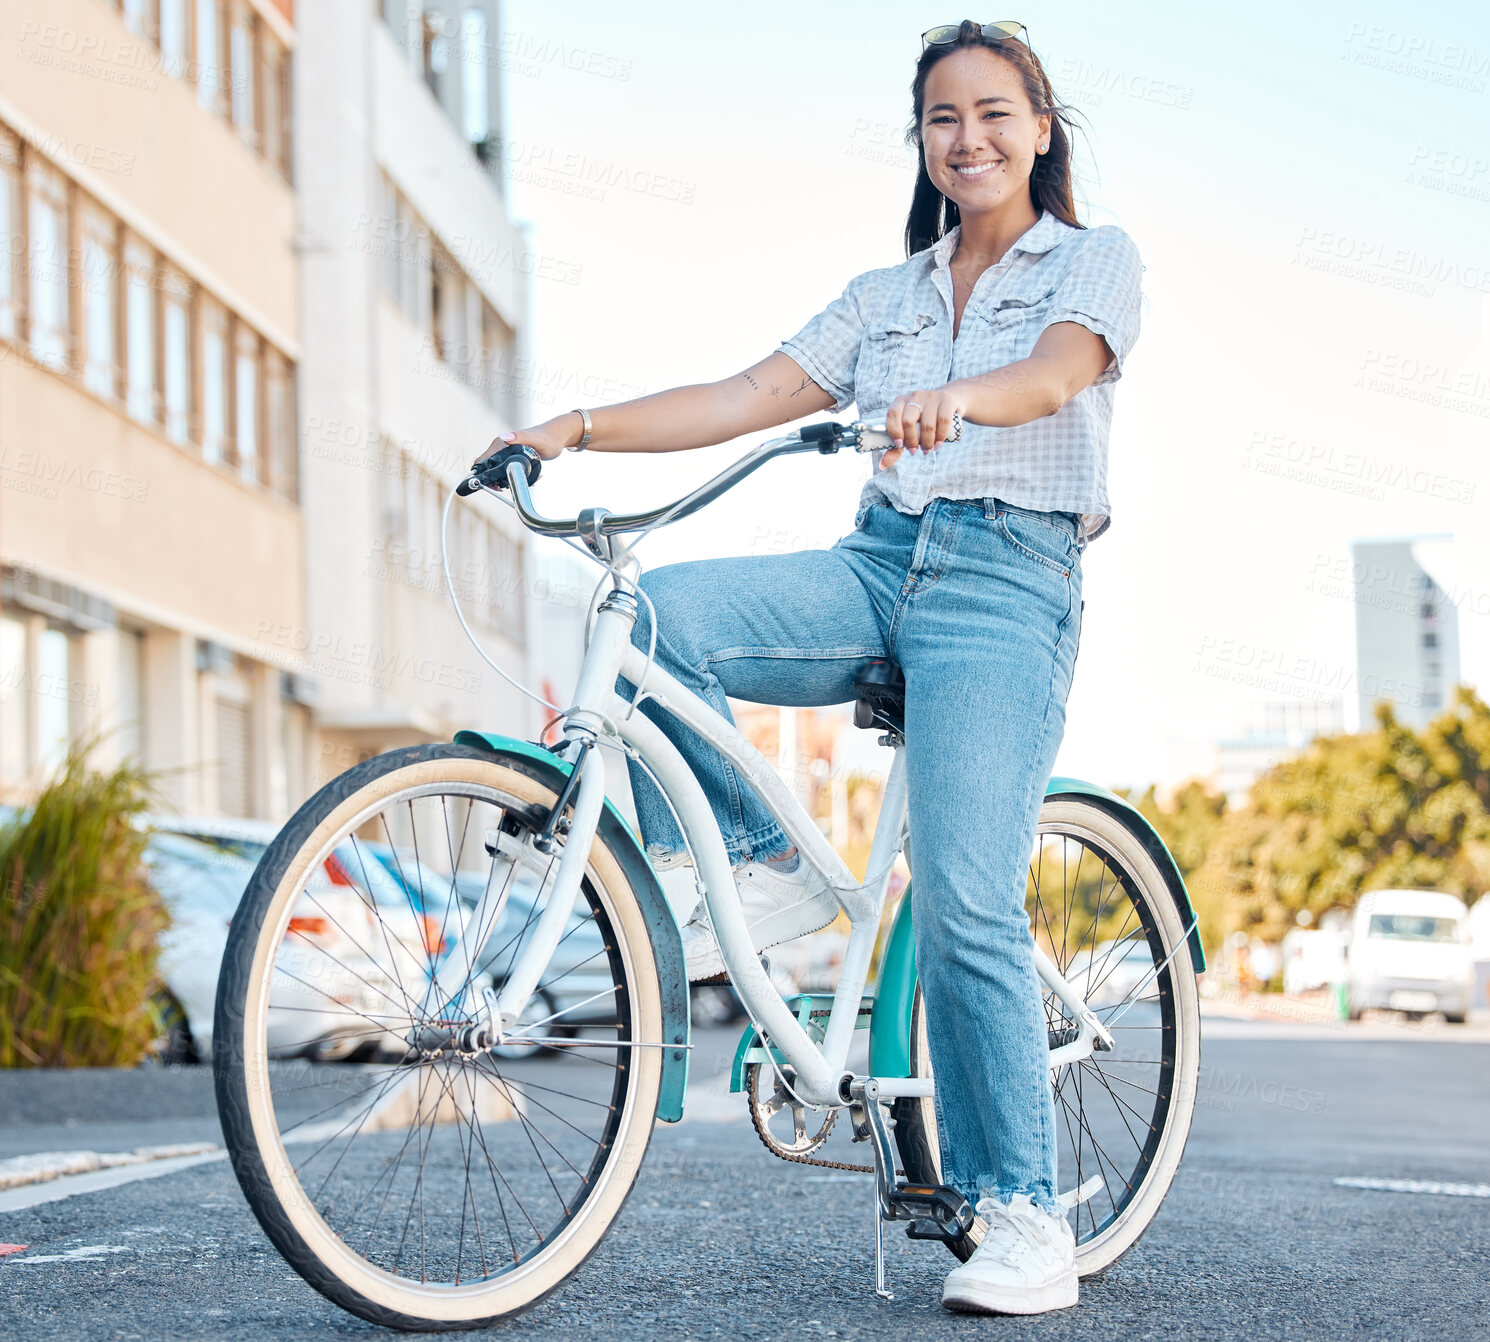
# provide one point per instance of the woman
(1010, 320)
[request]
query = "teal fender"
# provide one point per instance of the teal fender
(890, 1028)
(667, 943)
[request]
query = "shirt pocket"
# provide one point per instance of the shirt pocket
(1024, 301)
(897, 354)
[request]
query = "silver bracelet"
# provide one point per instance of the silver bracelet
(584, 441)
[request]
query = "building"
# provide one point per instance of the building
(260, 305)
(414, 294)
(1407, 634)
(150, 332)
(1277, 731)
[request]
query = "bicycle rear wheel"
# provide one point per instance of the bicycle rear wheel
(1102, 909)
(433, 1188)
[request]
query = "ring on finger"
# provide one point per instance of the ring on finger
(915, 405)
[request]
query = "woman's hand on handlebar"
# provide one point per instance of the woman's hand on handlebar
(548, 439)
(920, 420)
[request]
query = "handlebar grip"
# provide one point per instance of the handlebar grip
(815, 433)
(492, 473)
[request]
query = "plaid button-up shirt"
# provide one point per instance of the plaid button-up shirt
(890, 332)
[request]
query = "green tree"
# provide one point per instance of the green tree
(1382, 809)
(1188, 824)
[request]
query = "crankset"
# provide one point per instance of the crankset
(770, 1101)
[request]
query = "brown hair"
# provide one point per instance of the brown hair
(932, 214)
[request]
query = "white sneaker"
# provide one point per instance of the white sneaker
(1025, 1265)
(779, 906)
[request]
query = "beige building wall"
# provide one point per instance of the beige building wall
(140, 569)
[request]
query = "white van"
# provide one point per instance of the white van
(1410, 951)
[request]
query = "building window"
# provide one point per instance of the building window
(436, 44)
(176, 361)
(279, 424)
(497, 341)
(244, 102)
(505, 565)
(139, 18)
(233, 719)
(448, 309)
(54, 658)
(214, 381)
(173, 36)
(47, 264)
(475, 114)
(15, 687)
(10, 231)
(98, 272)
(132, 684)
(139, 315)
(414, 257)
(384, 242)
(275, 70)
(246, 402)
(1430, 640)
(209, 56)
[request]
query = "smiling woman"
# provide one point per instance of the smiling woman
(991, 354)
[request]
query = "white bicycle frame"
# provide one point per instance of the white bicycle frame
(599, 713)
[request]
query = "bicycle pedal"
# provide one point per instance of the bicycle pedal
(934, 1211)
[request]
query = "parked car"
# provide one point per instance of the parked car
(1410, 951)
(576, 989)
(328, 992)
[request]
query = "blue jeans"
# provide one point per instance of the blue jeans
(979, 603)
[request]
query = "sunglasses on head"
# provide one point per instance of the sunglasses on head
(946, 34)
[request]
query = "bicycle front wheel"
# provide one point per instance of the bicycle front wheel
(1102, 909)
(427, 1187)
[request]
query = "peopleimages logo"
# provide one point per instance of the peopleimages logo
(329, 655)
(575, 171)
(1378, 262)
(1348, 472)
(31, 472)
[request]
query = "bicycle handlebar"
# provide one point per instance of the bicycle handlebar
(517, 467)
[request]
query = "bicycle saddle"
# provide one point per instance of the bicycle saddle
(881, 701)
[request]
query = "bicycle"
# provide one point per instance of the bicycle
(479, 1184)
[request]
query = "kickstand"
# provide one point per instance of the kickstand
(933, 1210)
(866, 1091)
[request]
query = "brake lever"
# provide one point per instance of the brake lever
(492, 472)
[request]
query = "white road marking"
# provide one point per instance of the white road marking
(1418, 1186)
(43, 1165)
(54, 1190)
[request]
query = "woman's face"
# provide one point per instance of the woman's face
(978, 130)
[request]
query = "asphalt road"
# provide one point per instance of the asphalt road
(1256, 1241)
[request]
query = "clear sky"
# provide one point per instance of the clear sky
(1309, 187)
